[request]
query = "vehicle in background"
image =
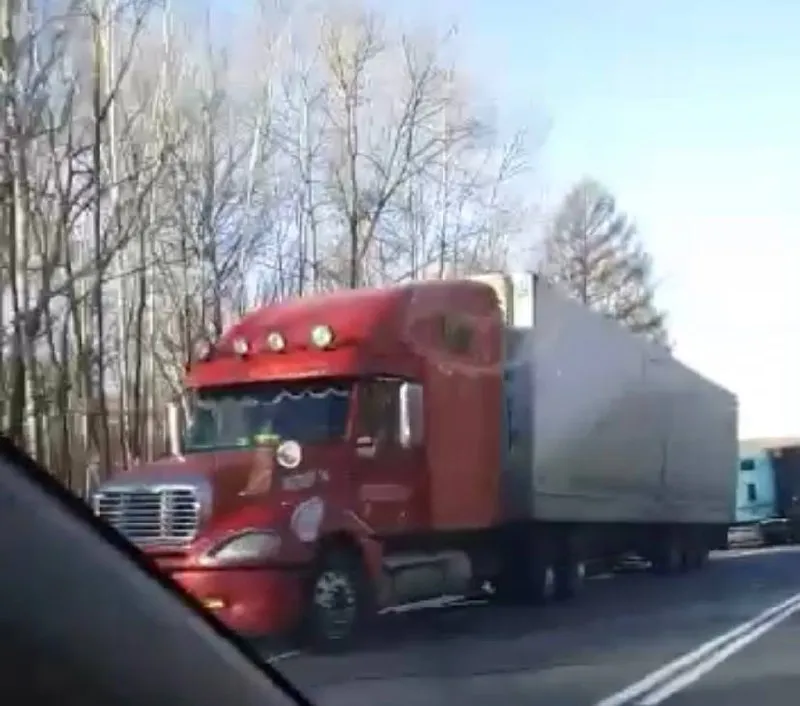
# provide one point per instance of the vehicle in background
(756, 503)
(768, 493)
(363, 449)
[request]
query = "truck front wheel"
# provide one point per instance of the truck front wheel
(338, 600)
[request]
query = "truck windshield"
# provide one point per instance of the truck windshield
(233, 417)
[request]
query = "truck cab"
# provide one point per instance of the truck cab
(768, 494)
(755, 499)
(330, 440)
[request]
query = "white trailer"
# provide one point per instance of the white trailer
(614, 446)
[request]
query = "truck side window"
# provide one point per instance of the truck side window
(378, 410)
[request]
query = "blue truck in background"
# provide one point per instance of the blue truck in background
(768, 492)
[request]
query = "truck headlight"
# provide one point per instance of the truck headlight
(252, 545)
(289, 454)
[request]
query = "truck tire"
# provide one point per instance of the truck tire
(528, 573)
(570, 578)
(701, 558)
(695, 555)
(569, 571)
(542, 587)
(338, 602)
(668, 555)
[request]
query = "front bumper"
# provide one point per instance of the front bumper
(254, 602)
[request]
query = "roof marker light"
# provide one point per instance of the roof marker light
(276, 342)
(240, 346)
(322, 336)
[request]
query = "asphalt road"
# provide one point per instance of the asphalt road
(624, 641)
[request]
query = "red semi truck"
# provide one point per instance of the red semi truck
(358, 450)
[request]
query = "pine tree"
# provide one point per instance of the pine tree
(594, 252)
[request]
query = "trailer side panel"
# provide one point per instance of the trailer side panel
(605, 426)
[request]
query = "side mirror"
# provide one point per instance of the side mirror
(174, 428)
(411, 418)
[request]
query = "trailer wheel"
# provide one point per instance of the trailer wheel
(570, 576)
(702, 557)
(543, 588)
(528, 574)
(669, 555)
(696, 555)
(338, 601)
(570, 570)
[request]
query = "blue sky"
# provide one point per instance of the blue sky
(690, 113)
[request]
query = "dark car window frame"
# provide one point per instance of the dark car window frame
(73, 579)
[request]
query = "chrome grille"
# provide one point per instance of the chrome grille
(157, 515)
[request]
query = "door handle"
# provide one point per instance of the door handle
(365, 446)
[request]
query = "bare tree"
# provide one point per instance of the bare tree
(382, 145)
(155, 184)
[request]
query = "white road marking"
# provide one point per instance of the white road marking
(438, 603)
(451, 601)
(283, 655)
(691, 676)
(707, 653)
(432, 603)
(429, 603)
